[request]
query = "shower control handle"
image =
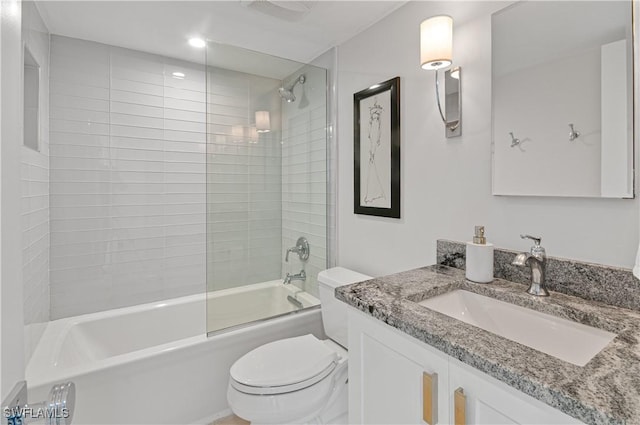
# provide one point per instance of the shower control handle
(301, 248)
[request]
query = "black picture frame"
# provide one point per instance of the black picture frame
(376, 150)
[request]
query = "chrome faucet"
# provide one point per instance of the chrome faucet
(301, 248)
(537, 260)
(300, 276)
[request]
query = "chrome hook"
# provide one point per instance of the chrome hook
(573, 134)
(514, 141)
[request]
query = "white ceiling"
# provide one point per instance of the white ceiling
(163, 27)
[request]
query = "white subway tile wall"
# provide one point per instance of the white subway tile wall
(245, 184)
(304, 173)
(127, 186)
(135, 174)
(35, 191)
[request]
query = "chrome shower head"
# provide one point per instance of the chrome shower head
(287, 93)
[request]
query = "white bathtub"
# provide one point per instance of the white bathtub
(152, 363)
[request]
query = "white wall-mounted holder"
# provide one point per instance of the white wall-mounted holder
(573, 134)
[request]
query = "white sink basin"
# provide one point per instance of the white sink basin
(569, 341)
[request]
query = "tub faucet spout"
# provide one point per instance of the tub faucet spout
(299, 276)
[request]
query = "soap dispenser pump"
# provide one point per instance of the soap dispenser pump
(479, 258)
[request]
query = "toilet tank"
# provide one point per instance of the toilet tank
(334, 312)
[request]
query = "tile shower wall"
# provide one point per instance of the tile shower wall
(244, 201)
(127, 187)
(304, 173)
(35, 191)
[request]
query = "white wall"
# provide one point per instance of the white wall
(304, 173)
(127, 177)
(534, 104)
(11, 291)
(446, 184)
(35, 191)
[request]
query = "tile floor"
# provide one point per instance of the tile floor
(230, 420)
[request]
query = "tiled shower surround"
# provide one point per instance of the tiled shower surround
(127, 184)
(304, 173)
(35, 190)
(130, 144)
(244, 193)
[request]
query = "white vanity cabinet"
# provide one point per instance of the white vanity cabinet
(396, 379)
(485, 400)
(389, 375)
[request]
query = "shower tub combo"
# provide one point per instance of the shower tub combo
(154, 364)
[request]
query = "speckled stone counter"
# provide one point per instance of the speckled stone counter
(595, 282)
(605, 391)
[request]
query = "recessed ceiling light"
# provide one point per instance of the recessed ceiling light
(197, 42)
(178, 75)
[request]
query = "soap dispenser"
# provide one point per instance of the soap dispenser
(479, 258)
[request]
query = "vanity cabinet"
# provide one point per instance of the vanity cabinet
(394, 378)
(389, 374)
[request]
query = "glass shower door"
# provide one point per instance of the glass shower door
(262, 174)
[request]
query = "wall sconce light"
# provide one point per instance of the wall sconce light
(237, 133)
(436, 50)
(263, 122)
(253, 135)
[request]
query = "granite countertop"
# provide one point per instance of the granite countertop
(604, 391)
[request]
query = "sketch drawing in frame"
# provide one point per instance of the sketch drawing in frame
(376, 148)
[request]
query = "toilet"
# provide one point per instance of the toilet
(303, 379)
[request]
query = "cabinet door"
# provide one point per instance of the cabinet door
(392, 379)
(481, 399)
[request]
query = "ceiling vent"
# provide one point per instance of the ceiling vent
(286, 10)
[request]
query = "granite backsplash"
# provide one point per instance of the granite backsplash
(610, 285)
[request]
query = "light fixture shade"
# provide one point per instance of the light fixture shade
(237, 133)
(436, 42)
(263, 122)
(253, 135)
(196, 42)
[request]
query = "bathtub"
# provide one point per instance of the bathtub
(153, 363)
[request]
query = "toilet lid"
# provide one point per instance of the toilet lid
(284, 362)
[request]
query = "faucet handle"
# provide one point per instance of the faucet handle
(536, 250)
(536, 240)
(301, 248)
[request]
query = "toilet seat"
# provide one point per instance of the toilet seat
(282, 389)
(283, 366)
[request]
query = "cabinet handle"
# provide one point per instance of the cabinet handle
(459, 409)
(430, 398)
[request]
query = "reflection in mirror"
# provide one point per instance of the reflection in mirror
(452, 102)
(563, 89)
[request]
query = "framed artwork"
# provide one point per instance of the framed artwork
(376, 149)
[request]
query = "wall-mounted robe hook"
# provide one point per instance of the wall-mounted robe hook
(573, 134)
(514, 140)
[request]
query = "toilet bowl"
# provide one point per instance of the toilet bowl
(302, 379)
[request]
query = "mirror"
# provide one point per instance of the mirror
(562, 94)
(452, 102)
